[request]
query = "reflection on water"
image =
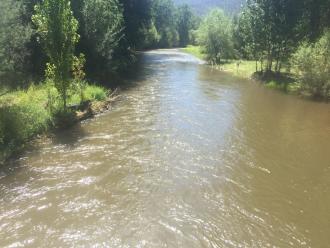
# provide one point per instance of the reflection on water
(192, 157)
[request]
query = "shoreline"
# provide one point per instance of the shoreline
(86, 112)
(283, 82)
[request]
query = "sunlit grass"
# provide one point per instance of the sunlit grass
(246, 69)
(26, 113)
(240, 68)
(194, 50)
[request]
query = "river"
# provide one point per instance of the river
(189, 157)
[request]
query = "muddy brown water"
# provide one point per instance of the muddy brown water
(190, 157)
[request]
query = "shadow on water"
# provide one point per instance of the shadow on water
(192, 152)
(132, 77)
(67, 138)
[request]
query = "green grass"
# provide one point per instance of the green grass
(93, 92)
(246, 70)
(26, 113)
(194, 50)
(90, 93)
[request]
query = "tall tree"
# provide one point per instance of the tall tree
(215, 35)
(102, 30)
(14, 38)
(185, 24)
(137, 18)
(268, 29)
(315, 17)
(165, 19)
(57, 29)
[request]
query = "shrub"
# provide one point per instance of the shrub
(93, 92)
(311, 64)
(14, 37)
(22, 115)
(57, 29)
(215, 36)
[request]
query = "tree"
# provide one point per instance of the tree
(315, 17)
(165, 18)
(14, 37)
(57, 29)
(138, 22)
(215, 35)
(102, 29)
(312, 66)
(185, 24)
(244, 35)
(267, 30)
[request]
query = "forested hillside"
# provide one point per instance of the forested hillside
(203, 6)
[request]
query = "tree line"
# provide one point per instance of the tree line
(106, 32)
(54, 54)
(274, 33)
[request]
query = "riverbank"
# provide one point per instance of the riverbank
(24, 114)
(181, 133)
(247, 70)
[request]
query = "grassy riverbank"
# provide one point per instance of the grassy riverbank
(247, 70)
(27, 113)
(194, 50)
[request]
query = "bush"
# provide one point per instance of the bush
(311, 64)
(24, 114)
(93, 92)
(14, 37)
(215, 36)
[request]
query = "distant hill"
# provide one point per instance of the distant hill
(203, 6)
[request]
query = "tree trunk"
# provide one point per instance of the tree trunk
(64, 99)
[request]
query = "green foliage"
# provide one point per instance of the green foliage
(185, 24)
(103, 26)
(24, 114)
(203, 6)
(138, 23)
(14, 36)
(248, 34)
(79, 75)
(97, 93)
(215, 35)
(164, 17)
(312, 66)
(194, 50)
(57, 29)
(151, 36)
(268, 30)
(315, 18)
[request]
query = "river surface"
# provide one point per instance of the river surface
(189, 157)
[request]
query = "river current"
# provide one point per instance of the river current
(189, 157)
